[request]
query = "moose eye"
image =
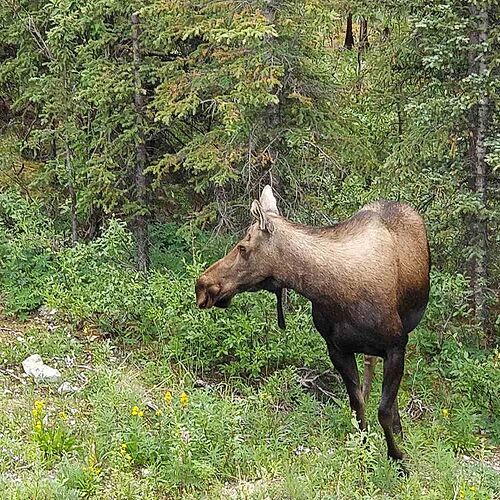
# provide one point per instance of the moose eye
(242, 250)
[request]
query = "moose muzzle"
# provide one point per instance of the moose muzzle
(210, 294)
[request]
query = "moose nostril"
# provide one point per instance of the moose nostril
(205, 294)
(201, 298)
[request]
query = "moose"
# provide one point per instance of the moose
(366, 277)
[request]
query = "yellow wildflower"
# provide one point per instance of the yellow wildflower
(38, 407)
(159, 413)
(124, 453)
(137, 412)
(445, 412)
(38, 426)
(63, 416)
(168, 398)
(184, 399)
(472, 488)
(92, 465)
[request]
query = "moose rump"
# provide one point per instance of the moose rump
(367, 279)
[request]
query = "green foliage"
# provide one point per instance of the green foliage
(92, 278)
(449, 298)
(90, 283)
(239, 94)
(25, 256)
(234, 66)
(53, 438)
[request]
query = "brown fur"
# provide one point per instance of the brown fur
(367, 279)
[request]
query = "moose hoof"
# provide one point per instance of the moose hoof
(399, 462)
(402, 469)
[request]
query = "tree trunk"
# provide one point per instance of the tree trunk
(478, 128)
(140, 222)
(363, 34)
(362, 46)
(271, 116)
(72, 193)
(349, 37)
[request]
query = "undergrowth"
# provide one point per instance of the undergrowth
(177, 402)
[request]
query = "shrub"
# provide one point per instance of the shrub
(26, 258)
(91, 285)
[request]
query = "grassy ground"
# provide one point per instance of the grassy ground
(140, 427)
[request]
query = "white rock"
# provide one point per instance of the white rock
(45, 311)
(34, 359)
(34, 366)
(66, 388)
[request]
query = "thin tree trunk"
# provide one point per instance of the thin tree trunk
(349, 37)
(477, 155)
(271, 115)
(386, 33)
(72, 193)
(94, 222)
(272, 121)
(140, 223)
(363, 34)
(362, 46)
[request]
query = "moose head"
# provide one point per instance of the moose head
(249, 265)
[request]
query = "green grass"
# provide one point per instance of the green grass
(267, 438)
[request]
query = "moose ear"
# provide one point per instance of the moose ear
(268, 201)
(257, 211)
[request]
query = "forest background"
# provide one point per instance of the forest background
(134, 136)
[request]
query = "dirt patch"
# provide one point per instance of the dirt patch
(492, 461)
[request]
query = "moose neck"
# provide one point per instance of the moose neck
(308, 260)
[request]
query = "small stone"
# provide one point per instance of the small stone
(31, 361)
(199, 383)
(44, 311)
(152, 406)
(66, 388)
(34, 366)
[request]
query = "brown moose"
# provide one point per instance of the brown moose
(367, 279)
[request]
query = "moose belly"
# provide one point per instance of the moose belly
(363, 334)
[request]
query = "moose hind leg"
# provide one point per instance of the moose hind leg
(393, 372)
(369, 372)
(396, 419)
(345, 363)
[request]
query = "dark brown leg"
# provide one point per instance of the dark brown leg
(346, 366)
(369, 372)
(396, 419)
(393, 372)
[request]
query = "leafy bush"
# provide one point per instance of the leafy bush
(89, 285)
(95, 281)
(26, 258)
(449, 298)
